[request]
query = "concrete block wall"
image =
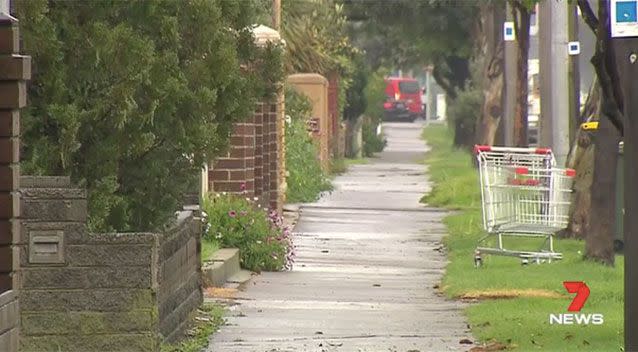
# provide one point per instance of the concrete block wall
(100, 292)
(180, 279)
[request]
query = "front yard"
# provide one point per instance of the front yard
(514, 301)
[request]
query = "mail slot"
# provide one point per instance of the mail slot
(46, 247)
(313, 125)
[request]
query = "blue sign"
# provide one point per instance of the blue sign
(626, 11)
(624, 18)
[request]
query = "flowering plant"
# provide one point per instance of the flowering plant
(264, 242)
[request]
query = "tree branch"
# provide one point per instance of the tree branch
(610, 105)
(588, 15)
(443, 83)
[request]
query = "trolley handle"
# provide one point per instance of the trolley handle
(488, 148)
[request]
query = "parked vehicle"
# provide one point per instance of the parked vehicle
(403, 99)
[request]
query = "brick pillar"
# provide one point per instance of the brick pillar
(259, 150)
(238, 166)
(14, 71)
(267, 156)
(281, 152)
(274, 155)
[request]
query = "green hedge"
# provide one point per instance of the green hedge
(130, 98)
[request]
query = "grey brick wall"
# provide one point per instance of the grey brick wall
(100, 292)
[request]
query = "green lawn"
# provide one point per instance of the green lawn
(521, 322)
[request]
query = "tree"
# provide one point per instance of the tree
(405, 33)
(492, 16)
(581, 158)
(600, 235)
(131, 98)
(521, 11)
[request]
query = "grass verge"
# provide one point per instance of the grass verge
(514, 301)
(340, 166)
(205, 322)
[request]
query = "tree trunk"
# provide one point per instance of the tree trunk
(522, 20)
(493, 104)
(492, 110)
(599, 244)
(581, 158)
(600, 236)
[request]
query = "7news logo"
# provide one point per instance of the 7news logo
(582, 293)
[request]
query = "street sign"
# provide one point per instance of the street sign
(624, 18)
(508, 31)
(5, 6)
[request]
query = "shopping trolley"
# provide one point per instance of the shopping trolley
(523, 195)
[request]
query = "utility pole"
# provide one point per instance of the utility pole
(509, 102)
(574, 73)
(554, 83)
(627, 63)
(429, 97)
(276, 14)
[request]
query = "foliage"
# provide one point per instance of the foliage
(317, 41)
(528, 294)
(305, 180)
(209, 247)
(405, 33)
(356, 93)
(208, 319)
(372, 142)
(130, 98)
(464, 111)
(374, 94)
(235, 222)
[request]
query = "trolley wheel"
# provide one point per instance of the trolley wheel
(478, 260)
(524, 261)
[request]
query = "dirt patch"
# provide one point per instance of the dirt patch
(220, 292)
(512, 293)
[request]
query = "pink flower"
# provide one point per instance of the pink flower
(232, 213)
(242, 187)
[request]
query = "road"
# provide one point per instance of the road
(369, 256)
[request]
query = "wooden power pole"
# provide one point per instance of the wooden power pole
(627, 63)
(509, 99)
(554, 77)
(276, 14)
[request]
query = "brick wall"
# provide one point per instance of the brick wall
(100, 292)
(14, 71)
(254, 158)
(256, 153)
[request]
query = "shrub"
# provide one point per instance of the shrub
(235, 222)
(306, 180)
(375, 96)
(130, 98)
(464, 112)
(372, 142)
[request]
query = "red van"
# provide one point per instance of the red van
(403, 99)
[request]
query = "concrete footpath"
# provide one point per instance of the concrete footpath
(368, 259)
